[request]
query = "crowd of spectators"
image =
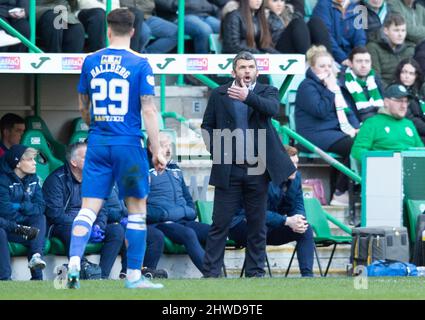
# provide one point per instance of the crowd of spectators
(363, 90)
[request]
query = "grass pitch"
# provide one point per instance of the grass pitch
(406, 288)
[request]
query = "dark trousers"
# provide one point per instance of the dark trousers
(283, 235)
(94, 22)
(57, 40)
(114, 239)
(193, 235)
(154, 249)
(342, 148)
(252, 192)
(135, 43)
(34, 246)
(23, 26)
(7, 225)
(319, 34)
(298, 36)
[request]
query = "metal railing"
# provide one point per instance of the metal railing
(30, 43)
(322, 154)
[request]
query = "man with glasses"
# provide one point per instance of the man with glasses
(389, 129)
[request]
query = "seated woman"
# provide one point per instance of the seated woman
(409, 74)
(21, 201)
(170, 207)
(322, 115)
(245, 27)
(290, 33)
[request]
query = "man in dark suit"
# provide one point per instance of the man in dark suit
(247, 153)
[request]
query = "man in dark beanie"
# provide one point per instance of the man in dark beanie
(21, 201)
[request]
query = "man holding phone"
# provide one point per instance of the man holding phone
(15, 12)
(247, 154)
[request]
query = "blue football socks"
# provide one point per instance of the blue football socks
(81, 230)
(136, 240)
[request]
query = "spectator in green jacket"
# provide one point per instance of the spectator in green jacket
(391, 48)
(389, 129)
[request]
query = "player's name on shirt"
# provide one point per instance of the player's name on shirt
(109, 118)
(115, 68)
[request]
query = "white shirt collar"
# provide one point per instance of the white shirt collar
(250, 87)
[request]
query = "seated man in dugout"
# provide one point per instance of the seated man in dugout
(285, 219)
(21, 204)
(62, 192)
(170, 207)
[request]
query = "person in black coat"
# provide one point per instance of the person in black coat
(290, 33)
(15, 12)
(247, 153)
(409, 74)
(62, 192)
(245, 27)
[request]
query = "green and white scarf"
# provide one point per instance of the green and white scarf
(355, 87)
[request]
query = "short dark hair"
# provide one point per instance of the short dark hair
(120, 21)
(72, 148)
(357, 50)
(243, 55)
(9, 120)
(395, 19)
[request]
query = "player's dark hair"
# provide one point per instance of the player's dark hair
(8, 121)
(120, 21)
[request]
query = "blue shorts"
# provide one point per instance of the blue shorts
(128, 166)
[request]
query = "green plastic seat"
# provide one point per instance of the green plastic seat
(36, 123)
(78, 124)
(58, 248)
(414, 209)
(19, 250)
(204, 211)
(78, 136)
(80, 131)
(171, 247)
(318, 219)
(215, 43)
(46, 161)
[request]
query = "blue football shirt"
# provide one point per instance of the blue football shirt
(115, 79)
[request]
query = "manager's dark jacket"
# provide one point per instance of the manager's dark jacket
(263, 103)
